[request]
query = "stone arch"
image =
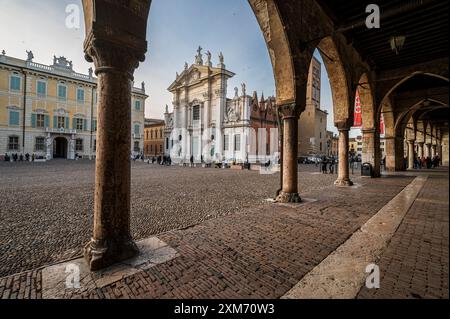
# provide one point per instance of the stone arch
(403, 117)
(272, 27)
(406, 78)
(370, 116)
(389, 117)
(341, 91)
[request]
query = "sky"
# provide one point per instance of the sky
(175, 30)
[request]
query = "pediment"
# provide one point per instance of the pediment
(195, 74)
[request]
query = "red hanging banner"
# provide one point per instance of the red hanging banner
(381, 124)
(357, 122)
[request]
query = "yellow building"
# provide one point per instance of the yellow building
(50, 110)
(154, 137)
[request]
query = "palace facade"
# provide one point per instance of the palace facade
(51, 110)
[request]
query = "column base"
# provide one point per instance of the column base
(288, 198)
(101, 254)
(343, 182)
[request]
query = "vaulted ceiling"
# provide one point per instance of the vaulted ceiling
(425, 23)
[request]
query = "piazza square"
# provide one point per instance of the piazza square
(267, 153)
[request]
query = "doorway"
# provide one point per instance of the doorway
(60, 147)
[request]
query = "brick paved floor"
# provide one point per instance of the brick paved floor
(257, 252)
(416, 262)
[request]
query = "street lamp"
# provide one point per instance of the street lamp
(397, 42)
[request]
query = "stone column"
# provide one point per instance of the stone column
(421, 154)
(410, 154)
(343, 174)
(111, 241)
(289, 187)
(116, 54)
(371, 152)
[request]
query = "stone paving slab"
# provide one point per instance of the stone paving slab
(343, 273)
(416, 262)
(56, 283)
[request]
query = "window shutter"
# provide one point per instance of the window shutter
(74, 123)
(33, 120)
(55, 121)
(47, 121)
(85, 126)
(67, 123)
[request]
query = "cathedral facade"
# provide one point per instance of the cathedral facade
(205, 125)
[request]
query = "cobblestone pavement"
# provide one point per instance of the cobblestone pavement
(416, 262)
(46, 208)
(256, 252)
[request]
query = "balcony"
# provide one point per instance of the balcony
(60, 131)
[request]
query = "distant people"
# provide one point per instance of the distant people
(324, 165)
(21, 157)
(27, 157)
(437, 161)
(7, 158)
(33, 157)
(423, 162)
(428, 162)
(332, 163)
(192, 160)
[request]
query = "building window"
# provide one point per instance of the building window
(137, 129)
(62, 92)
(137, 105)
(95, 145)
(151, 148)
(226, 142)
(79, 145)
(40, 120)
(80, 95)
(167, 143)
(61, 122)
(237, 143)
(321, 146)
(13, 143)
(41, 88)
(94, 125)
(196, 113)
(39, 144)
(160, 148)
(15, 83)
(14, 118)
(151, 134)
(79, 124)
(136, 147)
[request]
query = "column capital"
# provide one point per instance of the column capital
(420, 143)
(108, 57)
(115, 34)
(288, 110)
